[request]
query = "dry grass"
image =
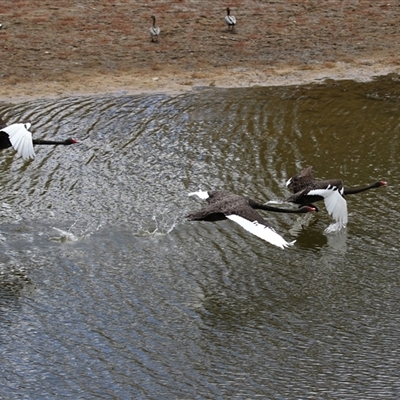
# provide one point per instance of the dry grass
(106, 36)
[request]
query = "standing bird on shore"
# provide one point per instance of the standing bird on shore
(306, 190)
(154, 30)
(241, 209)
(230, 19)
(19, 137)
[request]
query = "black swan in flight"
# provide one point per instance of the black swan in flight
(154, 30)
(19, 137)
(240, 209)
(306, 190)
(230, 19)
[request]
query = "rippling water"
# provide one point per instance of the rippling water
(106, 291)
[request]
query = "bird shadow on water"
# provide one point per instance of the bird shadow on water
(338, 240)
(304, 230)
(308, 234)
(301, 224)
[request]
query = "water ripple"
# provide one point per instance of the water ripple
(106, 291)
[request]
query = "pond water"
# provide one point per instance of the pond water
(107, 292)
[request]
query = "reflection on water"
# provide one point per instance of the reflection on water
(106, 291)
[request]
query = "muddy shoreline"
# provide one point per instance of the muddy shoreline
(66, 48)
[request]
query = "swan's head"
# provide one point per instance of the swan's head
(71, 141)
(307, 209)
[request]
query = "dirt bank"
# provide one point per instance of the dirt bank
(54, 48)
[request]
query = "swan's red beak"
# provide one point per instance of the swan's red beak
(383, 183)
(74, 141)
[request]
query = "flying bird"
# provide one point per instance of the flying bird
(306, 190)
(154, 30)
(20, 138)
(242, 210)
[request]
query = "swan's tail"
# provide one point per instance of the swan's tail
(201, 194)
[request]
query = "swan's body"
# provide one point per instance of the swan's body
(230, 19)
(306, 190)
(19, 137)
(242, 210)
(154, 30)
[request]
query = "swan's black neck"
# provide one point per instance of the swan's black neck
(364, 188)
(54, 142)
(266, 207)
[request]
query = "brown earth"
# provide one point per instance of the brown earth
(52, 48)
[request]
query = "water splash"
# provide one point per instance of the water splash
(65, 236)
(162, 226)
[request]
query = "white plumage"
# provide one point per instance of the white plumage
(262, 231)
(21, 139)
(154, 30)
(230, 19)
(200, 194)
(335, 203)
(306, 190)
(242, 210)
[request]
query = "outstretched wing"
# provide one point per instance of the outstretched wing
(21, 139)
(335, 203)
(255, 224)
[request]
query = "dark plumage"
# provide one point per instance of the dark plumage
(19, 137)
(223, 204)
(154, 30)
(230, 19)
(306, 190)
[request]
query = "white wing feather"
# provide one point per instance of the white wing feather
(200, 194)
(335, 204)
(21, 139)
(154, 30)
(263, 232)
(230, 20)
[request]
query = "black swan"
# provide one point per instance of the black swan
(240, 209)
(19, 137)
(306, 190)
(230, 19)
(154, 30)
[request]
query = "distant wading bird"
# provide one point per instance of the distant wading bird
(230, 19)
(306, 190)
(240, 209)
(19, 137)
(154, 30)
